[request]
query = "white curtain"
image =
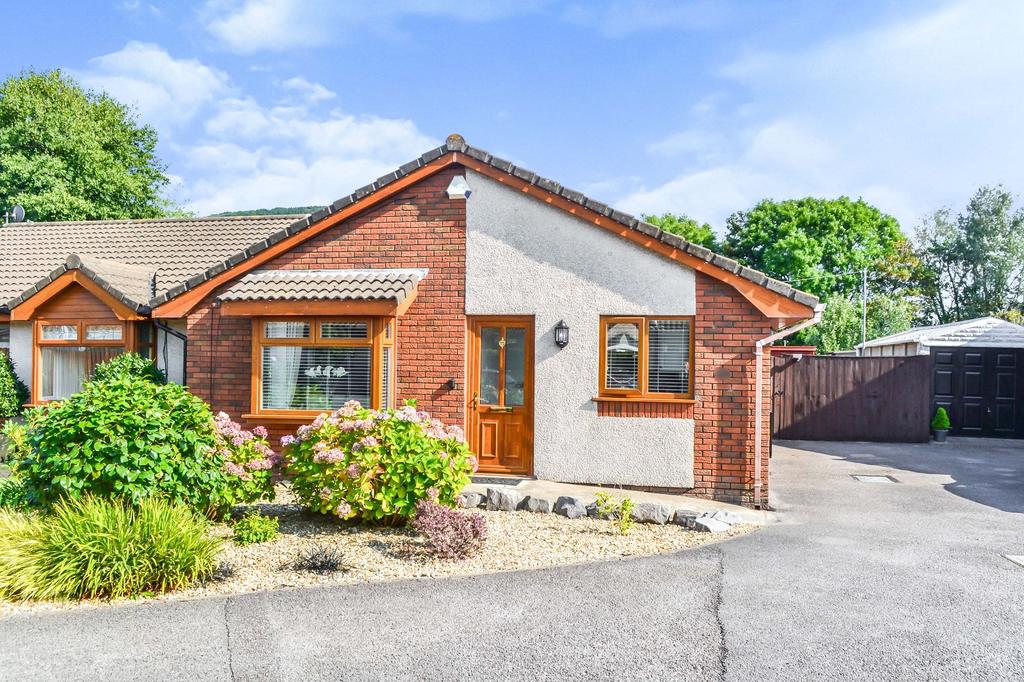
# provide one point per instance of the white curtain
(280, 376)
(63, 372)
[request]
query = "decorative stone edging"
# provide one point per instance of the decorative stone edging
(508, 500)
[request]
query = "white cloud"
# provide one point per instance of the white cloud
(312, 92)
(248, 26)
(910, 116)
(168, 92)
(258, 156)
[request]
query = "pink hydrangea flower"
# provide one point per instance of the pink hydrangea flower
(261, 431)
(287, 440)
(343, 509)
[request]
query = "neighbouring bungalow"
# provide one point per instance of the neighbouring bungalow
(573, 342)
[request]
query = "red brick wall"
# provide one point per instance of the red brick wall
(418, 228)
(654, 410)
(727, 326)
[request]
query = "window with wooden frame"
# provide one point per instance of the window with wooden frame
(309, 365)
(646, 358)
(69, 350)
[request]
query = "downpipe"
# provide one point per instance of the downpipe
(759, 392)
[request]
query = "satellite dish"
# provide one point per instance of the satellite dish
(18, 213)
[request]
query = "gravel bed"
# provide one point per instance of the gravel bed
(515, 541)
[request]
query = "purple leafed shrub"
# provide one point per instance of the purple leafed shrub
(450, 534)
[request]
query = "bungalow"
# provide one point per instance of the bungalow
(573, 342)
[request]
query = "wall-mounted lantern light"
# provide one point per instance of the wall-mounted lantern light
(561, 334)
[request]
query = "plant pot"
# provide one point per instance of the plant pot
(940, 435)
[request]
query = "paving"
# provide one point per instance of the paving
(856, 580)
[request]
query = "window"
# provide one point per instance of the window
(319, 364)
(69, 351)
(5, 335)
(646, 357)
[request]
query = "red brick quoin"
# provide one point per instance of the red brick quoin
(418, 228)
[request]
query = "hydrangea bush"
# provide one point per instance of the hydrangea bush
(129, 438)
(375, 465)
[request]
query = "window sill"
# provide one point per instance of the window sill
(642, 399)
(297, 418)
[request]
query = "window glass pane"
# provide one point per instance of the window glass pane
(60, 332)
(385, 384)
(622, 355)
(64, 369)
(286, 330)
(5, 333)
(388, 331)
(315, 378)
(515, 366)
(144, 333)
(668, 359)
(343, 330)
(103, 332)
(490, 365)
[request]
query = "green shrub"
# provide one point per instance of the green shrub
(103, 548)
(941, 420)
(14, 436)
(254, 527)
(376, 465)
(13, 494)
(129, 365)
(617, 509)
(128, 437)
(13, 393)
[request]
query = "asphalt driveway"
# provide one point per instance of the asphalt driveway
(857, 580)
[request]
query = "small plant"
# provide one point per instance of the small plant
(449, 534)
(14, 435)
(941, 420)
(375, 465)
(13, 393)
(617, 509)
(93, 547)
(13, 494)
(129, 365)
(254, 527)
(319, 559)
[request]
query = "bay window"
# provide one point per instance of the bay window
(646, 357)
(316, 364)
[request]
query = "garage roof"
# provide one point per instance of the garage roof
(983, 332)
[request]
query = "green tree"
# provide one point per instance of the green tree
(687, 228)
(973, 263)
(70, 154)
(840, 326)
(822, 245)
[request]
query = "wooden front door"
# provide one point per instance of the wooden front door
(500, 410)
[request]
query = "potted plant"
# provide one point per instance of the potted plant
(940, 425)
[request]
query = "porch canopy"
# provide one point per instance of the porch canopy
(378, 292)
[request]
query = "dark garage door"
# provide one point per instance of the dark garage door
(982, 389)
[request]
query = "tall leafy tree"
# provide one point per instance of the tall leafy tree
(70, 154)
(822, 245)
(840, 326)
(973, 263)
(687, 228)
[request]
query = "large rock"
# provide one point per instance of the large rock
(726, 516)
(708, 524)
(651, 512)
(502, 499)
(471, 500)
(538, 505)
(570, 507)
(684, 517)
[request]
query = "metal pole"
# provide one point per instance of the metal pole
(864, 311)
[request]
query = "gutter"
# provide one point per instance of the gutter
(759, 393)
(184, 347)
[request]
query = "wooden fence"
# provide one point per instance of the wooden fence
(851, 398)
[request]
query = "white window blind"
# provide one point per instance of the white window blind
(286, 330)
(385, 383)
(343, 330)
(315, 378)
(668, 356)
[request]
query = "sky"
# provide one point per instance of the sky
(699, 107)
